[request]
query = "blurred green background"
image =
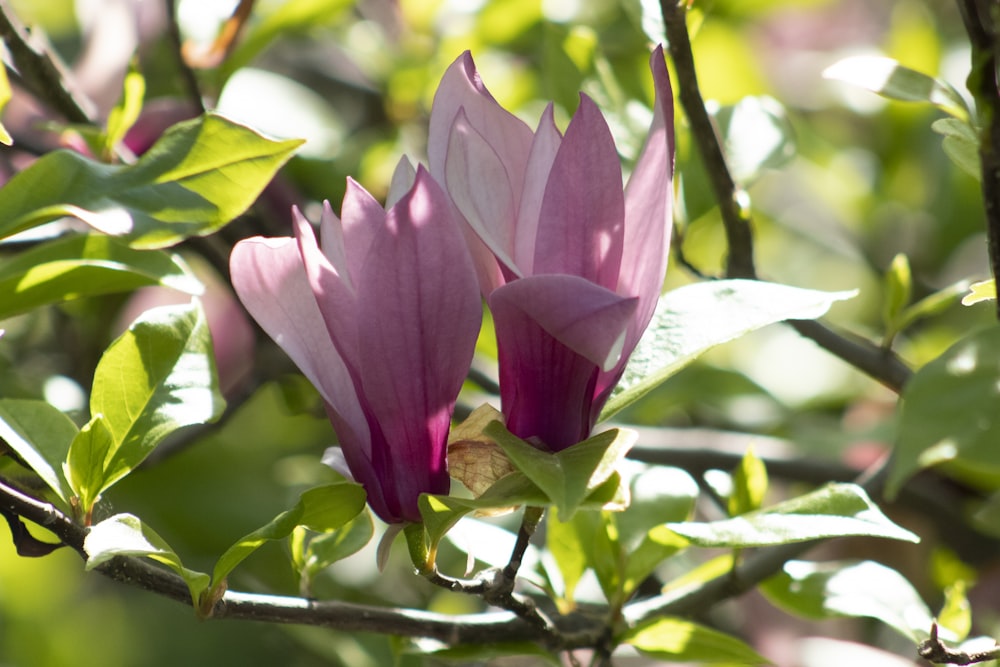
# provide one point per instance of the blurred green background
(855, 180)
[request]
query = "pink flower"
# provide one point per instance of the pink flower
(382, 318)
(569, 262)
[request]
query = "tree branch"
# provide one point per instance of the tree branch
(41, 72)
(980, 19)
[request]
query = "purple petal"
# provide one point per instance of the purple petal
(481, 189)
(543, 153)
(587, 318)
(583, 211)
(419, 315)
(361, 215)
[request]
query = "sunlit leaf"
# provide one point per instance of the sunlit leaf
(835, 510)
(127, 535)
(949, 412)
(86, 265)
(897, 290)
(695, 318)
(854, 589)
(985, 290)
(124, 114)
(679, 640)
(200, 175)
(41, 435)
(157, 377)
(932, 304)
(749, 485)
(889, 79)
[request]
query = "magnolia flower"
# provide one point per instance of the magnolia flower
(570, 264)
(382, 317)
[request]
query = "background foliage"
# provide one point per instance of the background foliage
(842, 182)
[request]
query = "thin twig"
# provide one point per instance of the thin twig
(40, 70)
(934, 650)
(736, 217)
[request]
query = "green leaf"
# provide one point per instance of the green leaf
(123, 116)
(889, 79)
(949, 413)
(126, 535)
(569, 476)
(41, 435)
(932, 304)
(897, 290)
(570, 548)
(679, 640)
(961, 145)
(200, 175)
(836, 510)
(324, 508)
(86, 265)
(86, 460)
(956, 613)
(853, 589)
(985, 290)
(157, 377)
(695, 318)
(749, 485)
(658, 544)
(757, 135)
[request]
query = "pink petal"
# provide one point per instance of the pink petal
(587, 318)
(361, 215)
(543, 153)
(583, 211)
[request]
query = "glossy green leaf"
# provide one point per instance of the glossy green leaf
(569, 476)
(749, 485)
(932, 304)
(659, 495)
(200, 175)
(324, 508)
(86, 265)
(949, 413)
(889, 79)
(570, 548)
(331, 546)
(695, 318)
(836, 510)
(41, 435)
(853, 589)
(656, 546)
(680, 640)
(757, 135)
(960, 144)
(126, 535)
